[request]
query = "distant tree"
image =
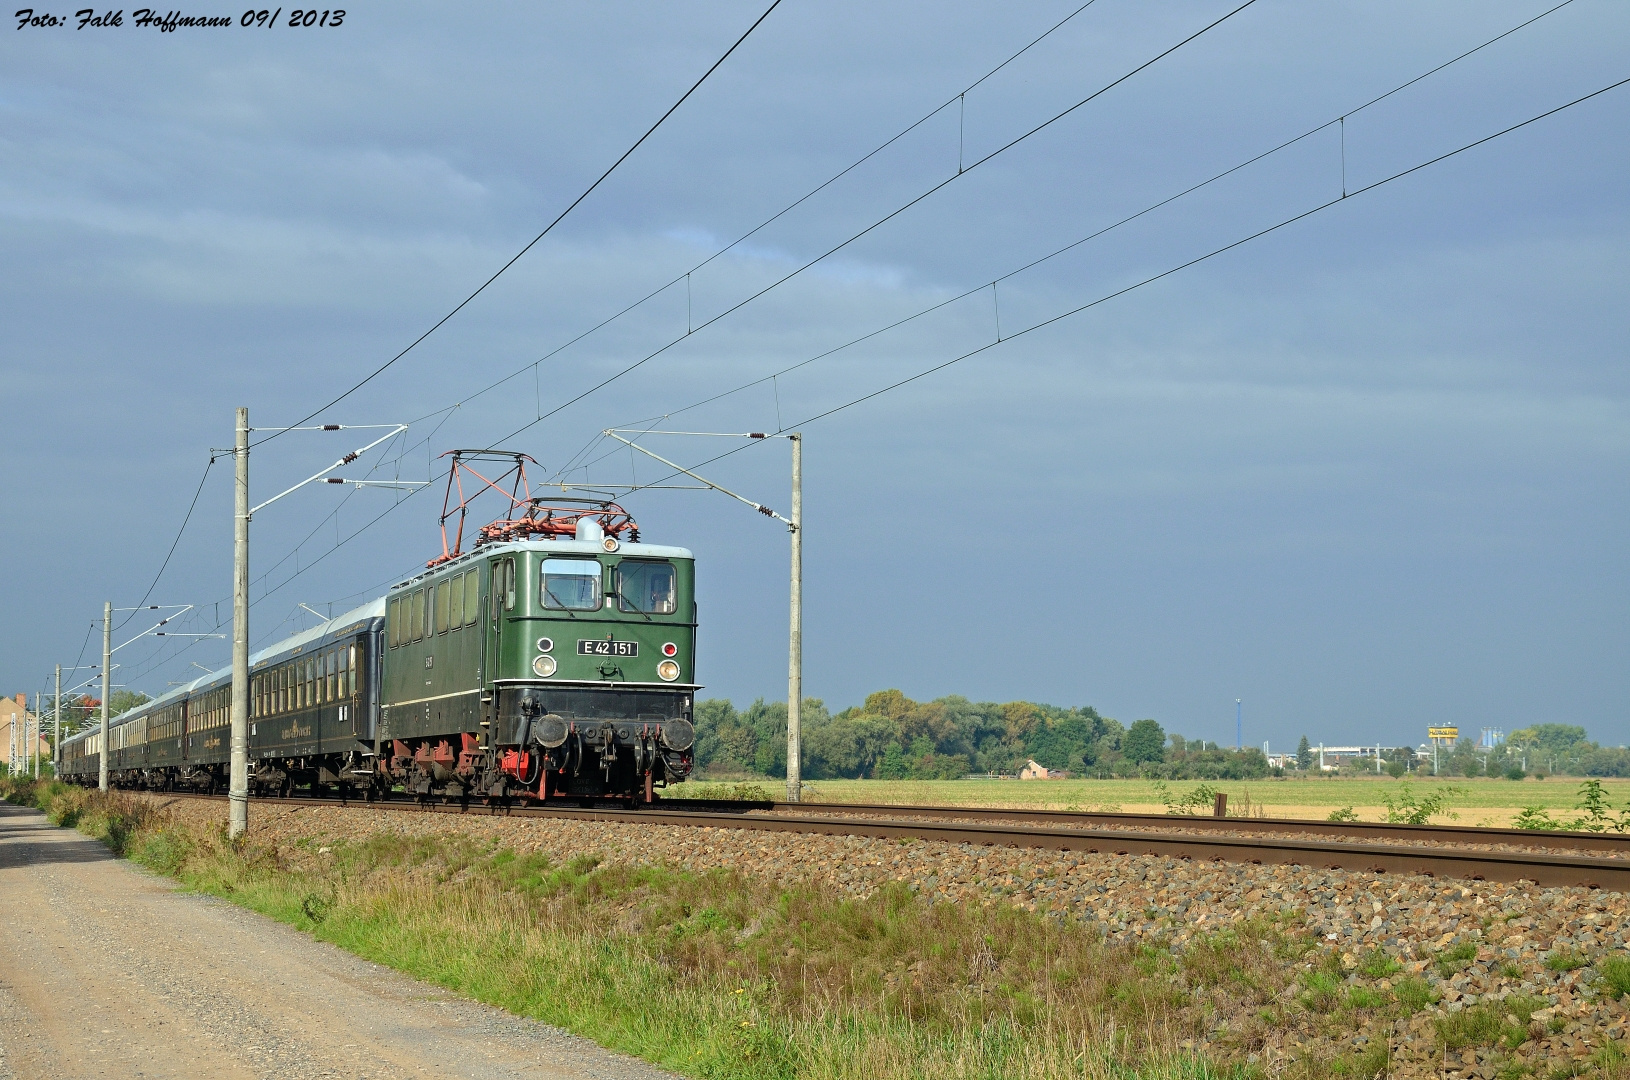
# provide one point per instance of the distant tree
(1144, 741)
(1304, 754)
(893, 765)
(122, 701)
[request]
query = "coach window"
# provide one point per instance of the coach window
(472, 597)
(311, 682)
(333, 674)
(571, 584)
(646, 587)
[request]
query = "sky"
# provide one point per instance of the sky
(1364, 472)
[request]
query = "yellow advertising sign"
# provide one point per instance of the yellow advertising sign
(1443, 733)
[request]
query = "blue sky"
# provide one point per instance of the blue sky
(1365, 472)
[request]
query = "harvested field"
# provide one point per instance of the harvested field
(1477, 801)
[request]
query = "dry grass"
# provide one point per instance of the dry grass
(724, 975)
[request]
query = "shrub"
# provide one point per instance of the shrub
(1515, 773)
(1536, 818)
(1407, 808)
(1346, 813)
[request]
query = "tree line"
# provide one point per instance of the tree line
(893, 737)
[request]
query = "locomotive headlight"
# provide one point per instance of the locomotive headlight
(668, 671)
(545, 666)
(670, 649)
(546, 644)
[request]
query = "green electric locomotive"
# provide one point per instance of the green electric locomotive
(542, 667)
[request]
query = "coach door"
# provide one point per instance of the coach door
(352, 657)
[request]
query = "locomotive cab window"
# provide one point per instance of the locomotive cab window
(571, 584)
(647, 587)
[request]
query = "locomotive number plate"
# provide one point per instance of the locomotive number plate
(590, 647)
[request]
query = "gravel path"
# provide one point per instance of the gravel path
(108, 972)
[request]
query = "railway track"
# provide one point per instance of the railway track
(1361, 847)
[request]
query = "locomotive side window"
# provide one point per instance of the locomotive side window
(571, 584)
(418, 615)
(647, 587)
(508, 590)
(443, 587)
(455, 601)
(472, 597)
(395, 622)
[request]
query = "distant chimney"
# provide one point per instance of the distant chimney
(22, 699)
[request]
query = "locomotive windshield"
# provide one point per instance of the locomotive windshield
(646, 587)
(571, 584)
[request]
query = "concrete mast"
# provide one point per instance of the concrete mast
(238, 787)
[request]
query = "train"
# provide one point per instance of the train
(555, 660)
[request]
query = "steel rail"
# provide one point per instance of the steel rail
(1475, 834)
(1541, 869)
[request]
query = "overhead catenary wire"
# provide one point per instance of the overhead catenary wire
(1347, 197)
(779, 214)
(546, 230)
(890, 216)
(983, 160)
(1054, 253)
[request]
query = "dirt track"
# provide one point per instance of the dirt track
(108, 972)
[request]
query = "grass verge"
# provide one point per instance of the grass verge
(719, 974)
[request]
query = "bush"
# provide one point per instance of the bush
(1346, 813)
(1406, 808)
(1515, 773)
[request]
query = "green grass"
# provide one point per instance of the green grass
(1615, 977)
(1501, 1023)
(1376, 964)
(1566, 960)
(1456, 959)
(721, 975)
